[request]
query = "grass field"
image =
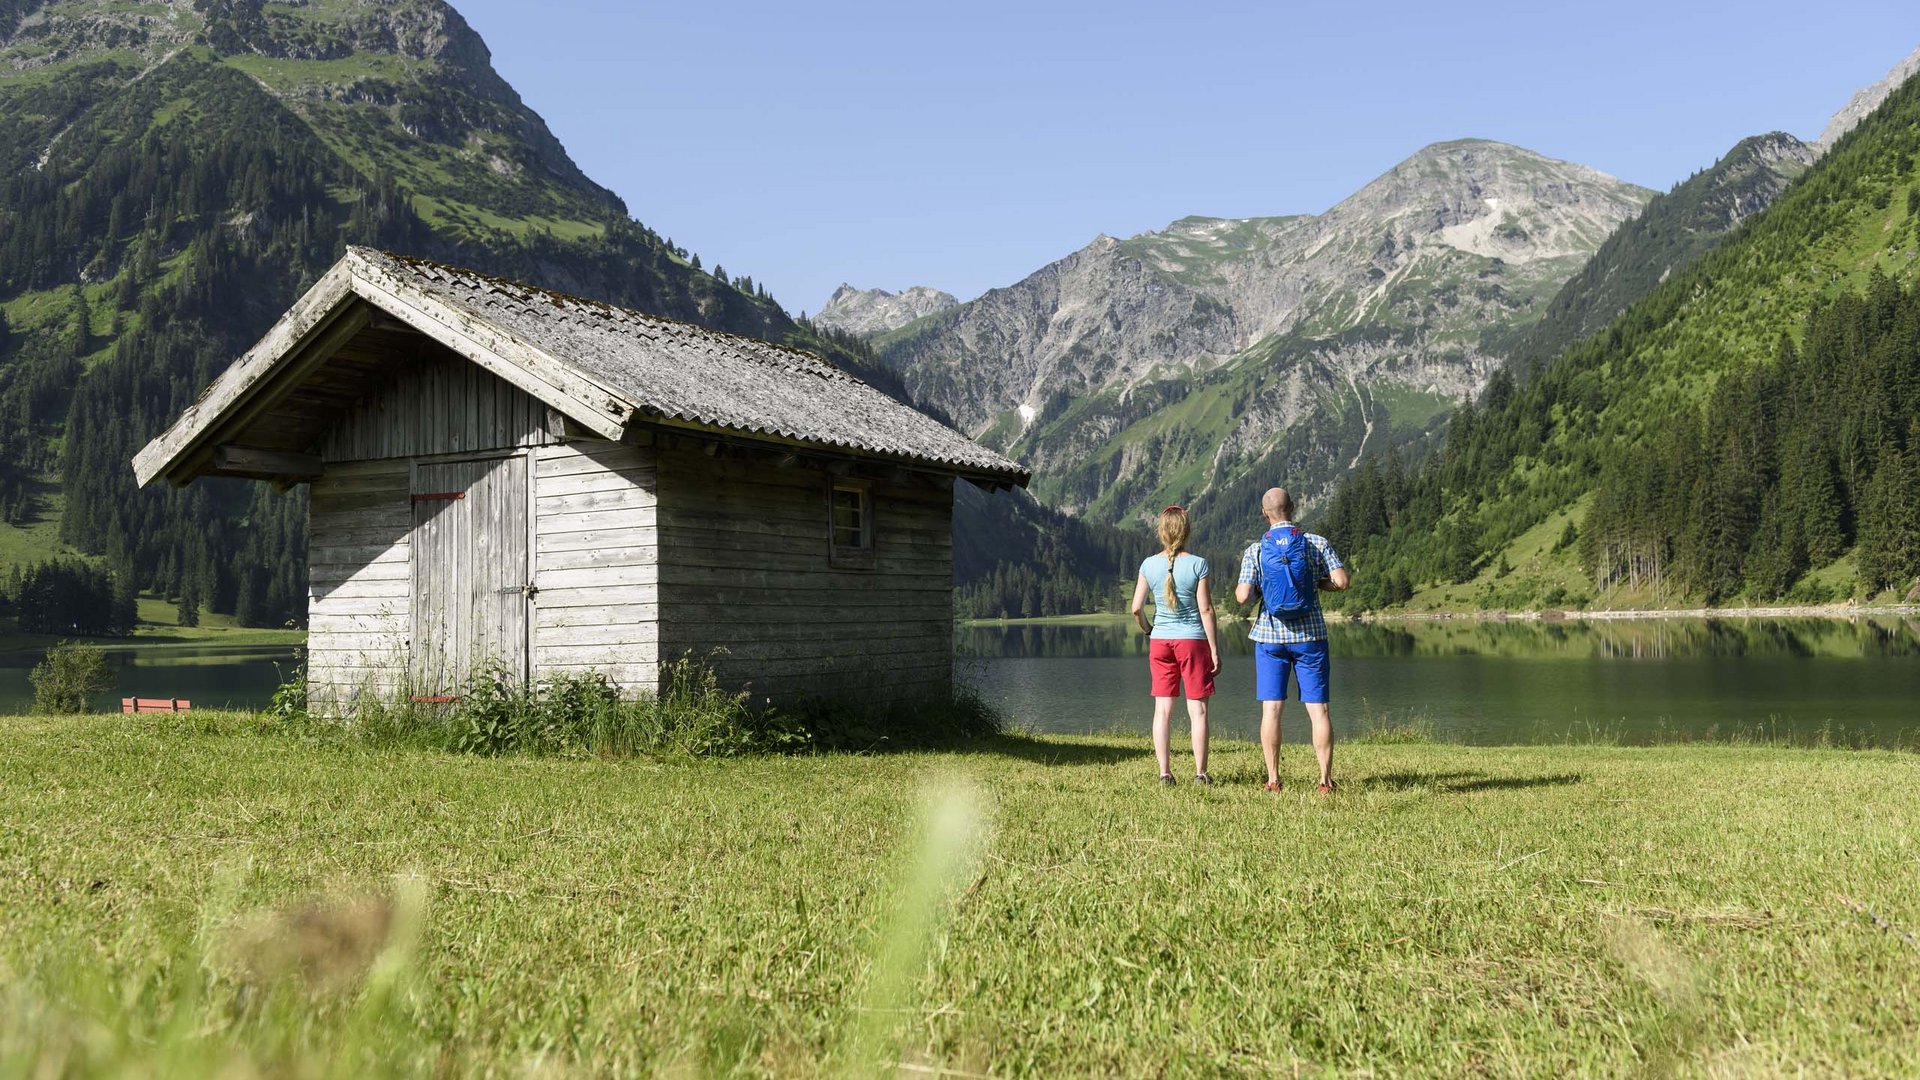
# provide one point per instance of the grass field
(227, 899)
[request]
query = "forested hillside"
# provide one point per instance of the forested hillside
(171, 178)
(1745, 431)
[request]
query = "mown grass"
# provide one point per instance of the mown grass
(202, 894)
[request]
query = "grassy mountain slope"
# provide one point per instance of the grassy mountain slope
(1494, 518)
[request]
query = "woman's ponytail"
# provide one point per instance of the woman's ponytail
(1174, 530)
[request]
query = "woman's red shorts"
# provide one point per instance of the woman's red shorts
(1181, 661)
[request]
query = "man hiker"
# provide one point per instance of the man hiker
(1283, 572)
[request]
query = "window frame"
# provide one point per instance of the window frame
(843, 556)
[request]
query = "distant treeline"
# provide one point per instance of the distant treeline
(69, 596)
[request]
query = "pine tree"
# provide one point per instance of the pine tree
(189, 605)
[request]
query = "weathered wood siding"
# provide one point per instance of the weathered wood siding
(744, 567)
(437, 403)
(360, 583)
(596, 563)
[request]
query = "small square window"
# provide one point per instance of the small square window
(850, 520)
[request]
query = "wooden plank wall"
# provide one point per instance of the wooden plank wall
(437, 403)
(359, 583)
(596, 563)
(744, 568)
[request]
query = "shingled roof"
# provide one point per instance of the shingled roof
(607, 368)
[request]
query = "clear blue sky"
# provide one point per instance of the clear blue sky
(964, 145)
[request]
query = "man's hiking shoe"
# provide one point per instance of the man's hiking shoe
(1326, 787)
(1166, 779)
(1273, 785)
(1203, 780)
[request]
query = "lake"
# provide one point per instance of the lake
(1468, 681)
(1487, 682)
(210, 676)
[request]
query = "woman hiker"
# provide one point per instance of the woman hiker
(1184, 652)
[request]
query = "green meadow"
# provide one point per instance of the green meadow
(218, 895)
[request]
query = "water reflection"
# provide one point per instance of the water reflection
(1506, 681)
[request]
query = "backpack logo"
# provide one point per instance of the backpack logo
(1287, 586)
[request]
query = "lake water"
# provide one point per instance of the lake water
(210, 676)
(1501, 682)
(1469, 681)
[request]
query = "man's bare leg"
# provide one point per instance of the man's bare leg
(1322, 739)
(1197, 721)
(1270, 737)
(1162, 730)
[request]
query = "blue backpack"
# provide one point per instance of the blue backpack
(1287, 585)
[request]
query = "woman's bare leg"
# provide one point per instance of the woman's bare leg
(1162, 732)
(1197, 721)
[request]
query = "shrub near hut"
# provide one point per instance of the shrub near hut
(69, 677)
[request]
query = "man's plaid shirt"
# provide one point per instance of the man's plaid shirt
(1309, 627)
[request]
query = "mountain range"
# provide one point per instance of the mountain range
(1201, 362)
(173, 173)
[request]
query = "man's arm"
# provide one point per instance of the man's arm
(1244, 591)
(1337, 579)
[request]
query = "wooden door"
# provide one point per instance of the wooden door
(471, 600)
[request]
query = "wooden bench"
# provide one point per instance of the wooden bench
(152, 705)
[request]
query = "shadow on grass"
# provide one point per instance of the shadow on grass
(1048, 752)
(1461, 783)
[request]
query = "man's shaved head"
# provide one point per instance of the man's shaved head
(1277, 505)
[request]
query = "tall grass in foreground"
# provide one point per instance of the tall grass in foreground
(333, 988)
(318, 991)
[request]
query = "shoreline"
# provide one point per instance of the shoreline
(1791, 611)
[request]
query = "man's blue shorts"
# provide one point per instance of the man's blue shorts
(1306, 661)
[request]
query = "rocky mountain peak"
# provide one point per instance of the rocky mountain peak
(1866, 101)
(866, 312)
(1494, 200)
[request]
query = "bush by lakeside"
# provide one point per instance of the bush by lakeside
(195, 894)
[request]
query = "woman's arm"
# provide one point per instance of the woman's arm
(1204, 597)
(1140, 601)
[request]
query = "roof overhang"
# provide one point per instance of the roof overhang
(358, 293)
(340, 305)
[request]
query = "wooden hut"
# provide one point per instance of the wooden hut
(501, 474)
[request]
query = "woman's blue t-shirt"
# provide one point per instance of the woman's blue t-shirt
(1182, 622)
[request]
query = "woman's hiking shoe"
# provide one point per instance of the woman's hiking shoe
(1166, 779)
(1273, 785)
(1203, 780)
